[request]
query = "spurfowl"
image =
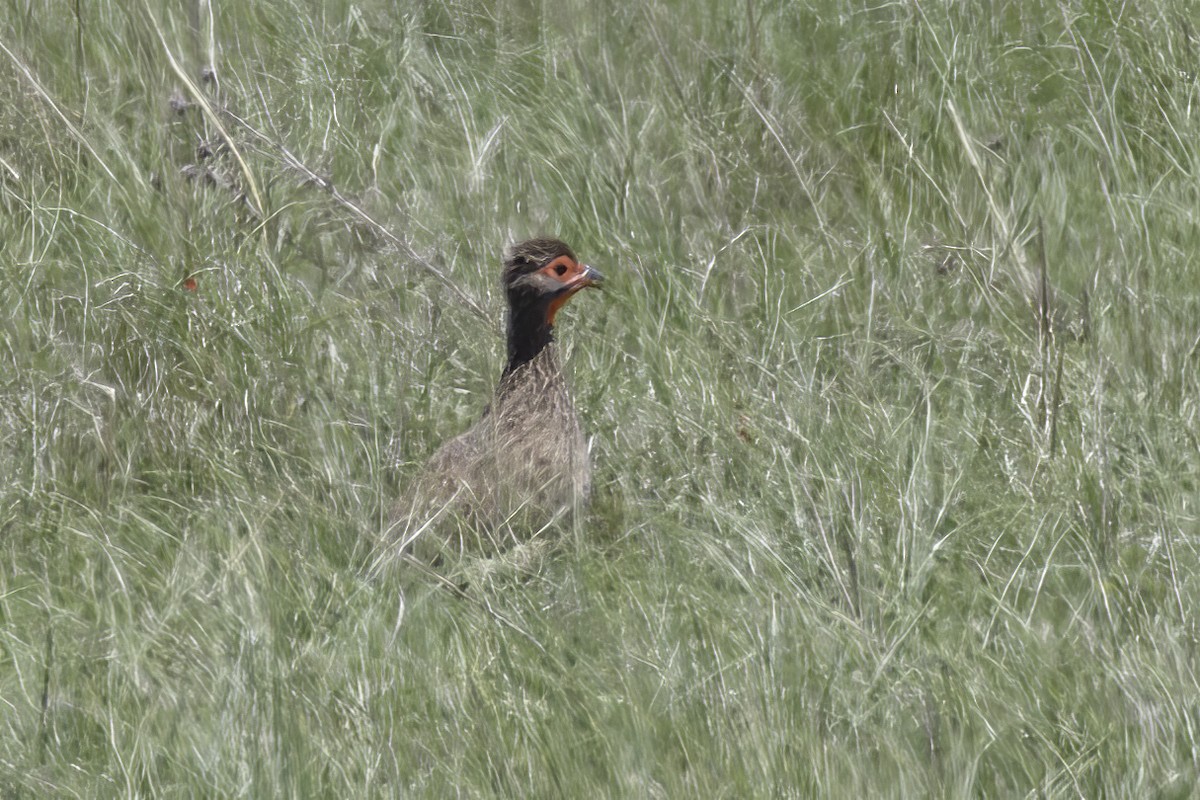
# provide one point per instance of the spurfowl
(525, 463)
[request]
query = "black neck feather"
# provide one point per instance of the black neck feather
(528, 334)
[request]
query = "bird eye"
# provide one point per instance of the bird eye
(560, 270)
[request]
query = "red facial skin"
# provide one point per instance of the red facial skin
(572, 275)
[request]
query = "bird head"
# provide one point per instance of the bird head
(540, 275)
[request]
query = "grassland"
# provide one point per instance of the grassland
(893, 393)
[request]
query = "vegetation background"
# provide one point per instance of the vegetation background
(893, 393)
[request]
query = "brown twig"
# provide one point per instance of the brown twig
(1045, 330)
(358, 211)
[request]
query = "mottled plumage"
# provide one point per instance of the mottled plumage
(525, 463)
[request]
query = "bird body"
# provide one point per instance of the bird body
(525, 463)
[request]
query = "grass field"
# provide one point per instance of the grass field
(893, 388)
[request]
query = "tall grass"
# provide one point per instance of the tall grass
(874, 513)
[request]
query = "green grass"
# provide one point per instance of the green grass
(863, 526)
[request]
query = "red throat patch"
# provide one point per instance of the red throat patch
(558, 303)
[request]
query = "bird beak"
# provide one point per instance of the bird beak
(590, 277)
(586, 277)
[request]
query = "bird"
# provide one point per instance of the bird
(525, 463)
